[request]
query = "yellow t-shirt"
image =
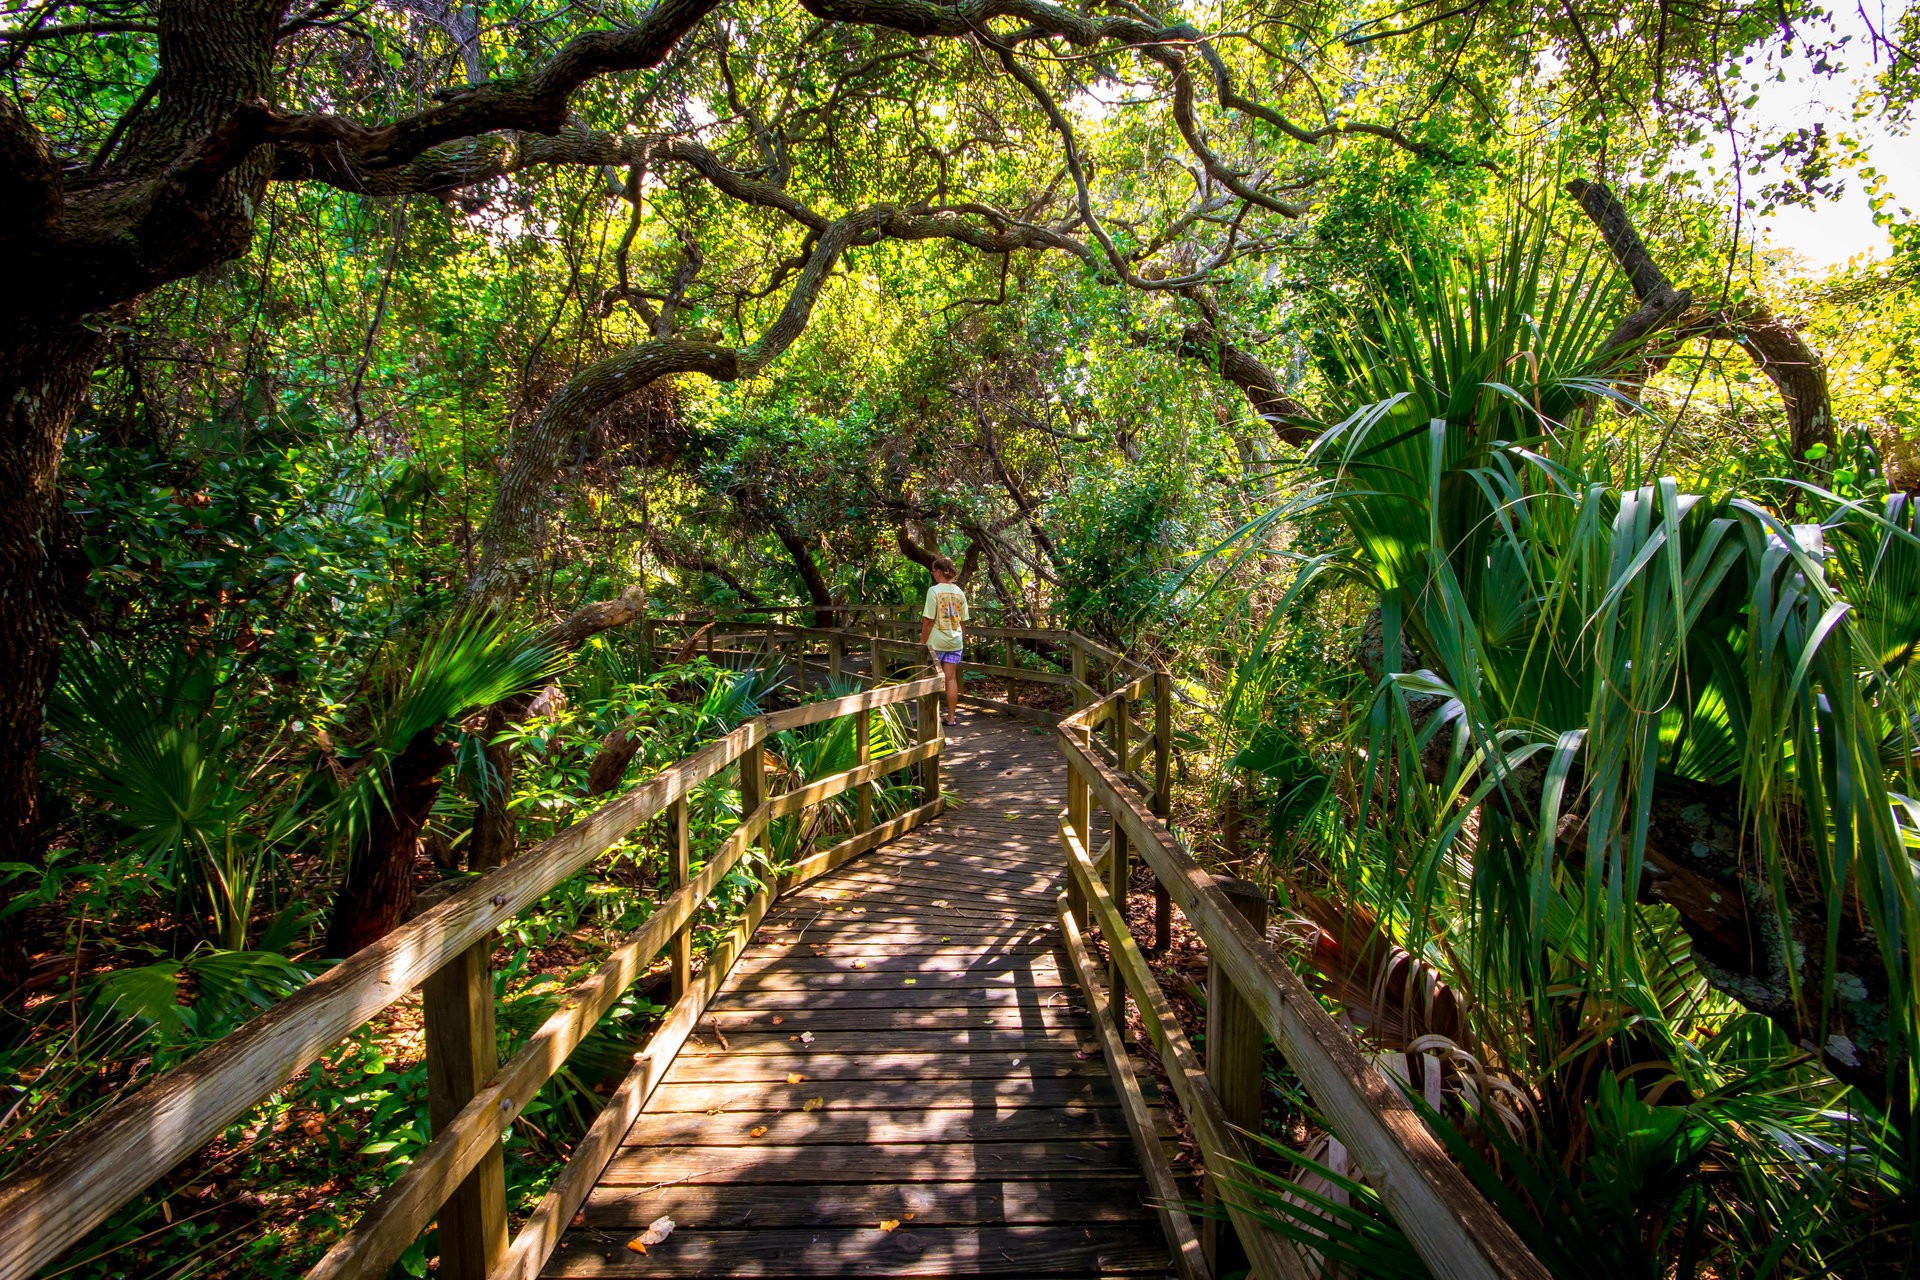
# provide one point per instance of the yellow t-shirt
(947, 606)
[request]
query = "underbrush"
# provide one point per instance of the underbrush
(134, 985)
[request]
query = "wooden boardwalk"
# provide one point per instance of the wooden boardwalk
(899, 1078)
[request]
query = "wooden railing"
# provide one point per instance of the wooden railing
(56, 1198)
(1252, 995)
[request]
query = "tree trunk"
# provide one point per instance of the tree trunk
(43, 379)
(802, 556)
(379, 884)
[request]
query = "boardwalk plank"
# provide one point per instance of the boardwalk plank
(923, 997)
(907, 1251)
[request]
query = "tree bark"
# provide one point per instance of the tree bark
(1206, 340)
(43, 378)
(694, 562)
(379, 885)
(1774, 344)
(818, 592)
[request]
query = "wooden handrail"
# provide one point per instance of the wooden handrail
(59, 1195)
(1455, 1230)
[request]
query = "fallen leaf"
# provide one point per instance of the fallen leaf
(1011, 817)
(713, 1111)
(806, 1037)
(911, 981)
(886, 1224)
(794, 1077)
(946, 937)
(660, 1229)
(907, 1216)
(758, 1131)
(777, 1019)
(795, 1038)
(813, 1104)
(859, 964)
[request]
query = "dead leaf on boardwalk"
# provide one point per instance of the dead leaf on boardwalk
(794, 1077)
(1011, 817)
(806, 1037)
(889, 1224)
(777, 1019)
(859, 964)
(658, 1231)
(813, 1104)
(911, 981)
(714, 1111)
(941, 902)
(907, 1216)
(946, 937)
(758, 1131)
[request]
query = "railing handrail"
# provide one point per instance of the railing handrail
(1450, 1224)
(59, 1195)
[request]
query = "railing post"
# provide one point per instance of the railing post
(836, 658)
(800, 664)
(1162, 797)
(1080, 685)
(931, 730)
(753, 778)
(879, 671)
(1079, 818)
(1120, 860)
(680, 870)
(462, 1056)
(863, 744)
(1235, 1047)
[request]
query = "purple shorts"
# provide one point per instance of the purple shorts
(944, 655)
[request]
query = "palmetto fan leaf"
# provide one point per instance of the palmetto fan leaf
(1607, 656)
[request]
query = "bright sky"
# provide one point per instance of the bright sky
(1833, 232)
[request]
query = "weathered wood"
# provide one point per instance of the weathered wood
(863, 741)
(828, 859)
(1188, 1257)
(462, 1055)
(571, 1186)
(833, 1127)
(628, 1210)
(1033, 715)
(64, 1192)
(861, 1163)
(908, 1067)
(1050, 1250)
(1235, 1049)
(1273, 1258)
(1007, 671)
(1457, 1233)
(383, 1233)
(792, 802)
(931, 734)
(853, 703)
(679, 871)
(866, 1094)
(1162, 797)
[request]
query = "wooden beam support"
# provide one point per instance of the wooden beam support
(462, 1055)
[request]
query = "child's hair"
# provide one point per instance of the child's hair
(943, 565)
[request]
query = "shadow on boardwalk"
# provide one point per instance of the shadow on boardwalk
(899, 1078)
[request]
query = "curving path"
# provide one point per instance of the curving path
(899, 1077)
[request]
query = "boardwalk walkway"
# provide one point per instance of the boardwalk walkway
(899, 1078)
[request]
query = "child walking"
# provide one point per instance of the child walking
(940, 620)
